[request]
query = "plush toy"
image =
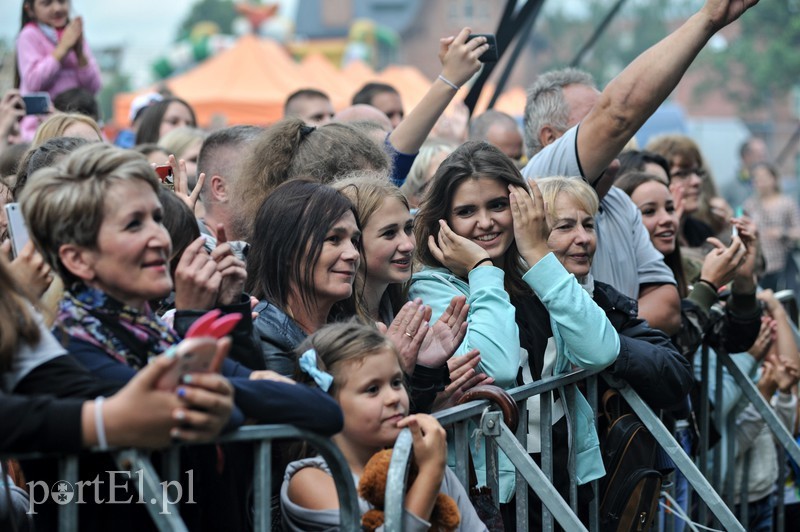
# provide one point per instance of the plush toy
(372, 487)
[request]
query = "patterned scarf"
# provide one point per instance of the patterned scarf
(125, 334)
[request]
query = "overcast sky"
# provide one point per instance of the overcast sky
(145, 27)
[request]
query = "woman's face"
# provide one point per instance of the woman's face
(335, 270)
(572, 236)
(687, 172)
(131, 260)
(655, 202)
(763, 181)
(481, 212)
(389, 243)
(176, 115)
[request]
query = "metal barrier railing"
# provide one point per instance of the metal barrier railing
(528, 473)
(149, 483)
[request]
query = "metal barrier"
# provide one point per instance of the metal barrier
(149, 484)
(529, 474)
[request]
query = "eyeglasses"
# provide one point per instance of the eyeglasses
(683, 173)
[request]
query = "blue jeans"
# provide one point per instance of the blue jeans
(684, 438)
(759, 515)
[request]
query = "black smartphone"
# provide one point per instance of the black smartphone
(37, 103)
(490, 55)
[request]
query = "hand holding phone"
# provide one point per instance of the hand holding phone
(490, 55)
(195, 355)
(17, 229)
(164, 172)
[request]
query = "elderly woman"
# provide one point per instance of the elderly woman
(96, 218)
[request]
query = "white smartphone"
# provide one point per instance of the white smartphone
(17, 229)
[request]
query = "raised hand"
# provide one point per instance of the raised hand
(463, 376)
(456, 253)
(232, 270)
(745, 275)
(407, 331)
(721, 263)
(720, 13)
(181, 178)
(442, 340)
(530, 223)
(197, 281)
(459, 57)
(764, 340)
(12, 110)
(29, 268)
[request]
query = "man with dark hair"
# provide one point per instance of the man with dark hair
(313, 106)
(499, 129)
(384, 97)
(571, 128)
(219, 158)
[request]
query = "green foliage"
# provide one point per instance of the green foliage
(560, 33)
(221, 12)
(117, 84)
(761, 63)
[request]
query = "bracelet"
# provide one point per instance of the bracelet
(710, 285)
(99, 425)
(480, 262)
(448, 82)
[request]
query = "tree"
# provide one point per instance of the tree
(761, 63)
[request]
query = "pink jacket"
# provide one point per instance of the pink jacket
(39, 70)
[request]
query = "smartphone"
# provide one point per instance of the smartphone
(195, 355)
(164, 173)
(37, 103)
(17, 229)
(490, 55)
(738, 213)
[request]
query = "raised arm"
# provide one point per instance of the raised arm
(630, 98)
(459, 63)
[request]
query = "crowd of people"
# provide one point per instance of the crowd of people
(373, 266)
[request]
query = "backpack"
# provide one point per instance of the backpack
(630, 491)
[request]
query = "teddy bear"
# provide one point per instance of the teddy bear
(372, 487)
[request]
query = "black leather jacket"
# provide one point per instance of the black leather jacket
(278, 335)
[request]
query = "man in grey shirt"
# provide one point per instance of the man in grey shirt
(573, 129)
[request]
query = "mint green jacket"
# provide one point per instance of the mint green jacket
(583, 334)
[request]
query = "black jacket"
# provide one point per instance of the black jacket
(647, 360)
(278, 335)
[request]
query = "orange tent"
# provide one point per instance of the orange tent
(247, 83)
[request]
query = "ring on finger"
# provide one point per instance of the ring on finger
(409, 334)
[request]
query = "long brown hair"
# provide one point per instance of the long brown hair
(17, 322)
(472, 160)
(629, 183)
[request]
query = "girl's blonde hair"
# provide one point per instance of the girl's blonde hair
(367, 190)
(339, 343)
(57, 124)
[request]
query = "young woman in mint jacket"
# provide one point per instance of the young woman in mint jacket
(487, 238)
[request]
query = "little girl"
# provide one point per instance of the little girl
(52, 55)
(360, 368)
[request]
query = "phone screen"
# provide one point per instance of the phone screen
(17, 229)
